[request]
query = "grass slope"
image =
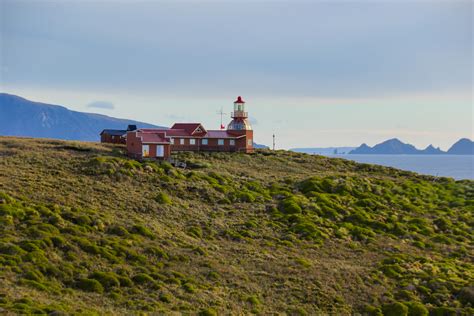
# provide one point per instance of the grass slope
(85, 230)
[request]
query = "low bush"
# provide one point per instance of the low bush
(190, 288)
(290, 206)
(417, 309)
(143, 279)
(142, 230)
(163, 198)
(395, 309)
(90, 285)
(107, 279)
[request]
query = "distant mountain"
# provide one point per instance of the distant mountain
(396, 147)
(463, 146)
(324, 150)
(260, 146)
(389, 147)
(431, 150)
(21, 117)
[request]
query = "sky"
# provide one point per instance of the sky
(314, 73)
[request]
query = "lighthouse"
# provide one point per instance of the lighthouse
(239, 117)
(240, 126)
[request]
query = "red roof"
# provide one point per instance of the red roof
(155, 134)
(218, 134)
(153, 138)
(239, 100)
(152, 130)
(188, 127)
(177, 132)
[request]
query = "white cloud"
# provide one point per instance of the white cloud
(105, 105)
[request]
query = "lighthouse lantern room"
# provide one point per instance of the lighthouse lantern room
(239, 117)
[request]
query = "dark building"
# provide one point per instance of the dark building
(116, 136)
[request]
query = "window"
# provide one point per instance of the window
(172, 141)
(204, 141)
(232, 142)
(160, 151)
(220, 142)
(249, 142)
(181, 141)
(145, 151)
(192, 141)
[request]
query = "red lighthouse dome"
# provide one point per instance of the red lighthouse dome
(239, 100)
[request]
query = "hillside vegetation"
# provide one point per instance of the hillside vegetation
(85, 230)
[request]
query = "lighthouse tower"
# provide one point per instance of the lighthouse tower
(239, 117)
(240, 126)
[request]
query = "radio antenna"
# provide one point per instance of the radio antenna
(221, 113)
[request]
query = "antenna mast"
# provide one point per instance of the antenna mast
(273, 141)
(221, 113)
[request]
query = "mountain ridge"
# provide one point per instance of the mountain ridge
(22, 117)
(464, 146)
(394, 146)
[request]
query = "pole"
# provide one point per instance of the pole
(221, 113)
(273, 141)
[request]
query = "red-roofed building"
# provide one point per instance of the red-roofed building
(160, 143)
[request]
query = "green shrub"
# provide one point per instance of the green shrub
(166, 298)
(443, 311)
(157, 252)
(143, 278)
(90, 285)
(253, 300)
(290, 206)
(34, 275)
(372, 310)
(310, 185)
(395, 309)
(107, 279)
(117, 230)
(195, 231)
(207, 312)
(166, 166)
(87, 246)
(124, 281)
(11, 249)
(190, 288)
(142, 230)
(417, 309)
(34, 284)
(246, 197)
(163, 198)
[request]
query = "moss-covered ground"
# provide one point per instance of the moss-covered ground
(85, 230)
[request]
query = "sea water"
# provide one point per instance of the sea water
(454, 166)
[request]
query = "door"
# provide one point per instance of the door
(160, 151)
(145, 151)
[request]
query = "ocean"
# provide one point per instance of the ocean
(454, 166)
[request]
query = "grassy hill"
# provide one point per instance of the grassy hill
(85, 230)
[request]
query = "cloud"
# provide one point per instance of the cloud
(101, 105)
(340, 49)
(175, 117)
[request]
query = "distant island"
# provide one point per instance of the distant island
(396, 147)
(324, 150)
